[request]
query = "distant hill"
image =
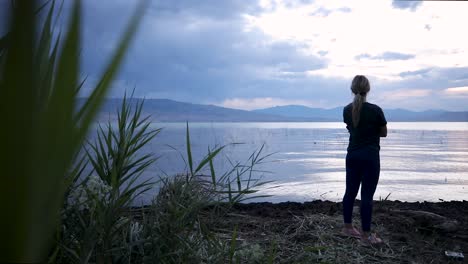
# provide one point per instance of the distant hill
(164, 110)
(336, 114)
(300, 111)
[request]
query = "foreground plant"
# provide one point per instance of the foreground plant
(176, 226)
(97, 223)
(115, 153)
(44, 128)
(173, 228)
(101, 226)
(235, 185)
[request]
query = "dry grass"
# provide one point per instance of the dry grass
(314, 237)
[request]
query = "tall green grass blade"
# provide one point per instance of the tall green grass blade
(42, 58)
(58, 126)
(42, 137)
(230, 192)
(80, 85)
(272, 253)
(232, 248)
(44, 5)
(189, 152)
(212, 171)
(238, 179)
(207, 159)
(46, 84)
(17, 89)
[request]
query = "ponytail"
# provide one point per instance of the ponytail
(360, 87)
(357, 106)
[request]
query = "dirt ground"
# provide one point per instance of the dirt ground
(310, 232)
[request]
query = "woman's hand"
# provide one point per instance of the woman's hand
(383, 131)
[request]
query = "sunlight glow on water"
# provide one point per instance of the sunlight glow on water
(419, 161)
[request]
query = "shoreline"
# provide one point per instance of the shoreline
(413, 232)
(309, 232)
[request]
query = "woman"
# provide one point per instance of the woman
(366, 124)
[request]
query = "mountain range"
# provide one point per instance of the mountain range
(165, 110)
(396, 115)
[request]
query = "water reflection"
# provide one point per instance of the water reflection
(420, 161)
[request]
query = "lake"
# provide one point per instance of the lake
(420, 161)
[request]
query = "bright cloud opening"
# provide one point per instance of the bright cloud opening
(457, 90)
(427, 35)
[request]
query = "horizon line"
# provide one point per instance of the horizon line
(211, 104)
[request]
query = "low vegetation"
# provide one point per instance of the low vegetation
(99, 224)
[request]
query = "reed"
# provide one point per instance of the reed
(100, 226)
(96, 224)
(178, 223)
(44, 127)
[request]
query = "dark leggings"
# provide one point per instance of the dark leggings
(362, 168)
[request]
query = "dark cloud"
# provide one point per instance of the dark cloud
(191, 54)
(225, 9)
(386, 56)
(405, 4)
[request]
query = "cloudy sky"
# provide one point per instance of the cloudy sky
(250, 54)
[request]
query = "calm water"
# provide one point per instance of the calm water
(419, 161)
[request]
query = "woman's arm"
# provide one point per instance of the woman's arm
(383, 131)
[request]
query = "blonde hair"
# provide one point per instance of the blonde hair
(360, 87)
